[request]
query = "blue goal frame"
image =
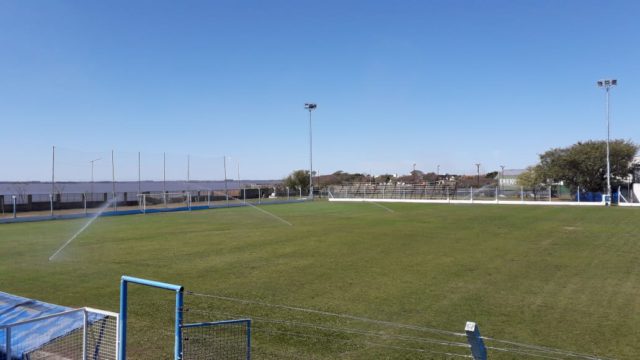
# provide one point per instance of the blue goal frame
(122, 325)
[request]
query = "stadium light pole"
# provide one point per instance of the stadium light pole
(607, 84)
(310, 107)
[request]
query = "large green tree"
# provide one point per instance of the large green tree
(298, 179)
(584, 164)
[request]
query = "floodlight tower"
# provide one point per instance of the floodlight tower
(310, 107)
(607, 84)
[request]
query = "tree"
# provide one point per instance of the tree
(491, 175)
(532, 178)
(298, 179)
(584, 164)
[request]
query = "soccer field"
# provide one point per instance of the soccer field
(559, 277)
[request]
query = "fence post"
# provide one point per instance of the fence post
(287, 193)
(84, 198)
(578, 194)
(85, 324)
(13, 200)
(496, 194)
(549, 192)
(478, 350)
(244, 195)
(208, 198)
(144, 204)
(471, 192)
(522, 193)
(7, 333)
(51, 203)
(189, 200)
(259, 197)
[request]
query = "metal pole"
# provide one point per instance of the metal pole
(238, 176)
(13, 200)
(310, 158)
(608, 160)
(478, 168)
(85, 325)
(7, 334)
(92, 176)
(51, 204)
(578, 193)
(113, 182)
(139, 172)
(85, 203)
(53, 170)
(122, 322)
(178, 324)
(226, 190)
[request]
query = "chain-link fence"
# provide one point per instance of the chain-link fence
(449, 192)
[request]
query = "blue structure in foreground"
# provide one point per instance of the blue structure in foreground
(32, 335)
(478, 349)
(179, 325)
(178, 289)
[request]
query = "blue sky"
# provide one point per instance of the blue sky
(448, 83)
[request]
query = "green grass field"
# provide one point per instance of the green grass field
(562, 277)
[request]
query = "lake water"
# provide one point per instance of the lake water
(8, 188)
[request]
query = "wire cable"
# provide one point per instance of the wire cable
(365, 342)
(326, 313)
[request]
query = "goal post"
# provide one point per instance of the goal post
(229, 339)
(178, 289)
